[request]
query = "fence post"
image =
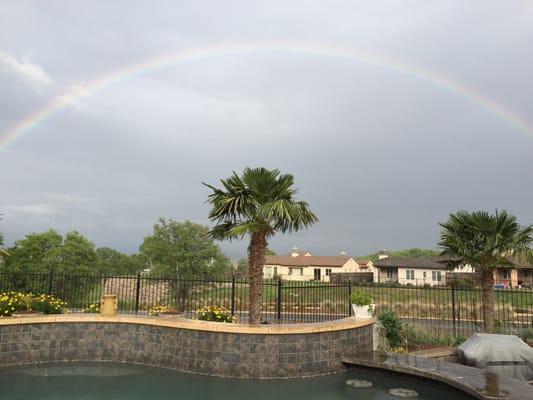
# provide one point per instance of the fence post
(278, 302)
(349, 297)
(50, 280)
(454, 317)
(232, 295)
(137, 292)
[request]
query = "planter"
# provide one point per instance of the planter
(363, 312)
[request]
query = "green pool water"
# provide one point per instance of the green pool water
(103, 381)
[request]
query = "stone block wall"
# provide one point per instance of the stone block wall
(213, 353)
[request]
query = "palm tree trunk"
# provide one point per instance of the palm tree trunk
(256, 261)
(487, 298)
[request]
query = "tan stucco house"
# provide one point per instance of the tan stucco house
(302, 266)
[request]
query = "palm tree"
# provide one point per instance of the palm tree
(259, 203)
(485, 242)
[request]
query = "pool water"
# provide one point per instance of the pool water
(104, 381)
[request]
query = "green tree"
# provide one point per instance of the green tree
(485, 242)
(411, 253)
(242, 269)
(35, 253)
(111, 261)
(184, 249)
(40, 252)
(259, 203)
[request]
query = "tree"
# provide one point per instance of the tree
(185, 250)
(40, 252)
(35, 253)
(411, 253)
(485, 242)
(242, 269)
(111, 261)
(259, 203)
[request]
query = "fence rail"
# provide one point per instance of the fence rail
(282, 301)
(451, 310)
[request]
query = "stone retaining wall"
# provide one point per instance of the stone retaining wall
(215, 353)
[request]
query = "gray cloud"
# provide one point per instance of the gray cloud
(382, 156)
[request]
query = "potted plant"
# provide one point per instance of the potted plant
(362, 304)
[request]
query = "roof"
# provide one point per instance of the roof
(438, 262)
(307, 261)
(362, 261)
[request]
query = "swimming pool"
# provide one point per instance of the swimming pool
(106, 381)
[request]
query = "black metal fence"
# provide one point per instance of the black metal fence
(282, 301)
(452, 310)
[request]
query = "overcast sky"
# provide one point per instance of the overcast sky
(381, 155)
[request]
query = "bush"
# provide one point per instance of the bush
(527, 334)
(393, 327)
(464, 283)
(159, 309)
(361, 298)
(93, 308)
(48, 304)
(215, 314)
(11, 302)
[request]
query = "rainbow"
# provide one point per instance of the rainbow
(166, 60)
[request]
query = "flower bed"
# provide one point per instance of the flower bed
(17, 302)
(216, 314)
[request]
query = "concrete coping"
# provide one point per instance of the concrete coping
(185, 323)
(476, 382)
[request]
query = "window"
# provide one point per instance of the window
(295, 271)
(506, 274)
(425, 275)
(390, 273)
(276, 271)
(436, 276)
(410, 274)
(328, 271)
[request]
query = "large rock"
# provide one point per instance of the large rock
(504, 355)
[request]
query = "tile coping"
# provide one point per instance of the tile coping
(473, 381)
(185, 323)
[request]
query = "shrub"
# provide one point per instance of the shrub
(216, 314)
(48, 304)
(393, 327)
(464, 283)
(93, 308)
(527, 334)
(361, 298)
(159, 309)
(11, 302)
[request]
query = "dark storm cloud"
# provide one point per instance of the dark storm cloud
(382, 156)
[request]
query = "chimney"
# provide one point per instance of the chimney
(383, 254)
(295, 252)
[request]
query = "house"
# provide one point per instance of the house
(513, 277)
(302, 266)
(415, 271)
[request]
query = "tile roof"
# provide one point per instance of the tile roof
(438, 262)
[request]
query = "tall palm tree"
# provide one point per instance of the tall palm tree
(485, 241)
(259, 203)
